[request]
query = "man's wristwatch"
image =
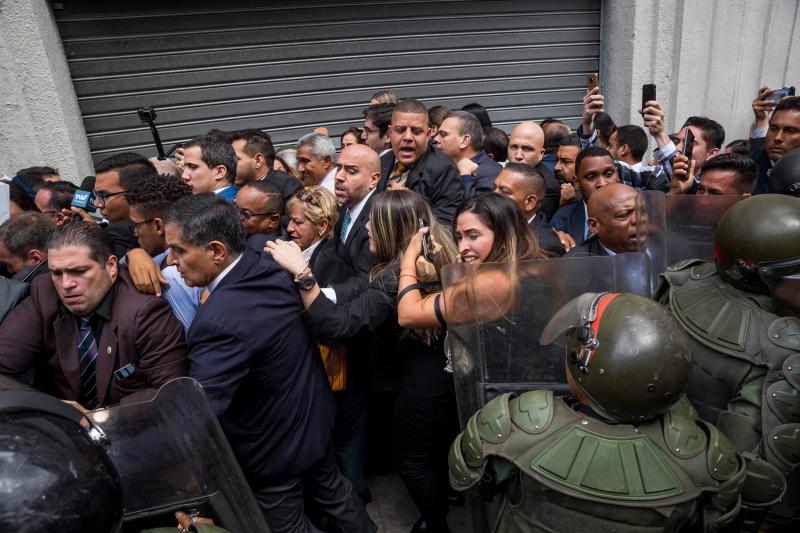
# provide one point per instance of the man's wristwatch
(305, 280)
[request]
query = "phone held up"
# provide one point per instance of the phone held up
(592, 81)
(427, 252)
(778, 94)
(648, 93)
(688, 144)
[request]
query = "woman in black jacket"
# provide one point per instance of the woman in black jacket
(425, 417)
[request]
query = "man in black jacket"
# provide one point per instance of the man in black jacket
(612, 222)
(260, 368)
(415, 165)
(255, 156)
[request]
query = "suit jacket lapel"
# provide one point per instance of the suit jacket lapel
(66, 333)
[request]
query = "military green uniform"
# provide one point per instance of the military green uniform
(746, 371)
(561, 471)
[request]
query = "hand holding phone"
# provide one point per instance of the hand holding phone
(426, 241)
(688, 144)
(592, 81)
(648, 93)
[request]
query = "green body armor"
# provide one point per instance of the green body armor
(745, 374)
(563, 472)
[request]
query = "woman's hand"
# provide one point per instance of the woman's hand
(288, 255)
(413, 250)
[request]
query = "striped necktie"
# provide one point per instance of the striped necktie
(345, 225)
(87, 356)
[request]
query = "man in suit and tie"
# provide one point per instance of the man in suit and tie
(358, 172)
(526, 145)
(415, 165)
(86, 332)
(260, 368)
(612, 222)
(255, 156)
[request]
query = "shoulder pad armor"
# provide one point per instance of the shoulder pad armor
(532, 412)
(784, 401)
(711, 316)
(494, 421)
(702, 270)
(686, 263)
(613, 468)
(763, 485)
(682, 434)
(461, 476)
(471, 446)
(783, 446)
(791, 370)
(721, 457)
(785, 332)
(684, 406)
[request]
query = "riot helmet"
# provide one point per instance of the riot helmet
(54, 472)
(757, 243)
(784, 178)
(625, 352)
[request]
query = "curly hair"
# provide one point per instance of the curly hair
(153, 193)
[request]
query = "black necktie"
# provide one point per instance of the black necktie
(87, 355)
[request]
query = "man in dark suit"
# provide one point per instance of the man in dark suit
(525, 185)
(415, 165)
(526, 145)
(86, 332)
(358, 172)
(255, 157)
(612, 222)
(261, 209)
(783, 136)
(260, 368)
(594, 168)
(461, 139)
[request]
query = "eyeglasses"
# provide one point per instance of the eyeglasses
(370, 131)
(103, 196)
(304, 195)
(137, 224)
(247, 215)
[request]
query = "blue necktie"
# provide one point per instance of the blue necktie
(345, 225)
(87, 355)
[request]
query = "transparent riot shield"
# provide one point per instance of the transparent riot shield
(172, 455)
(671, 228)
(497, 312)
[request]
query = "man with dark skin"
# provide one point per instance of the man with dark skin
(612, 221)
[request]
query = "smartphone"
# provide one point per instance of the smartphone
(648, 93)
(591, 81)
(426, 242)
(777, 94)
(688, 144)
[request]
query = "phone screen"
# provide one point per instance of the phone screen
(688, 144)
(648, 93)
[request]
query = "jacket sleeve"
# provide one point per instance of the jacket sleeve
(21, 338)
(339, 322)
(220, 359)
(160, 346)
(447, 193)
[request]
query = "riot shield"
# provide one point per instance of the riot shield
(171, 454)
(497, 312)
(671, 228)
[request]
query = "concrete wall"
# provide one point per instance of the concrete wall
(707, 57)
(40, 122)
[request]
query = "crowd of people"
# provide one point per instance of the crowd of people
(302, 289)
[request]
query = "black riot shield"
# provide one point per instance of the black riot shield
(671, 228)
(497, 312)
(171, 454)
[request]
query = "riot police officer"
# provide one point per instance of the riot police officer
(741, 314)
(620, 455)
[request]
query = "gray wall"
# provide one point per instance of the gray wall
(40, 123)
(706, 57)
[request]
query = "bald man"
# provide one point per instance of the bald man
(415, 165)
(526, 145)
(612, 221)
(358, 171)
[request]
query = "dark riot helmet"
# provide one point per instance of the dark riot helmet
(757, 248)
(54, 472)
(625, 352)
(784, 178)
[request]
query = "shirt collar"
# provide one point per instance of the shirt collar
(329, 181)
(609, 252)
(213, 285)
(308, 252)
(356, 209)
(106, 304)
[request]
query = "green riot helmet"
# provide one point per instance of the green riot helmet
(764, 229)
(784, 178)
(625, 352)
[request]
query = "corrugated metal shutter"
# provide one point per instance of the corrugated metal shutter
(291, 66)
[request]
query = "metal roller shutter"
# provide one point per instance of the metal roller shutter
(291, 66)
